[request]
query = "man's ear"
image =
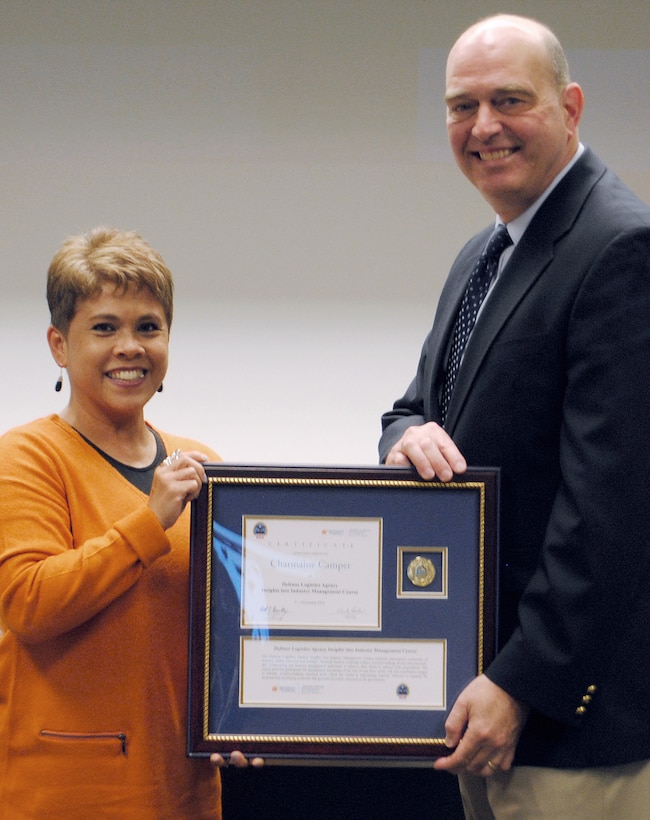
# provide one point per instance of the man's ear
(574, 102)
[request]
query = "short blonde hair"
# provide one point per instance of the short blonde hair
(84, 263)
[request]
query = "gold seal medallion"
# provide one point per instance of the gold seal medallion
(421, 572)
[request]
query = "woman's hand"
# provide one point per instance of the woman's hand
(237, 759)
(177, 480)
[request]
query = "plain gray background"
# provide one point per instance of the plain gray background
(289, 160)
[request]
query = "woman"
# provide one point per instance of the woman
(94, 537)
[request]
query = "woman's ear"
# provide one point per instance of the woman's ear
(56, 341)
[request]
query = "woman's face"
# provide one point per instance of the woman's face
(115, 353)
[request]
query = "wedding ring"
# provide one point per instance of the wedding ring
(492, 766)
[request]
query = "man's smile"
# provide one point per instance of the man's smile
(500, 153)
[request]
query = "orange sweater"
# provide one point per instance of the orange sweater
(93, 662)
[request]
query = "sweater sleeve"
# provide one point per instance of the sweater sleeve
(72, 539)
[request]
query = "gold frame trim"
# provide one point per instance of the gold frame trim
(333, 482)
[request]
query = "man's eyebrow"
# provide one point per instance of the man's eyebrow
(457, 95)
(518, 90)
(505, 90)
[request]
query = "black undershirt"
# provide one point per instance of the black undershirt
(140, 477)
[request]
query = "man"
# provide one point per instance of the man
(554, 388)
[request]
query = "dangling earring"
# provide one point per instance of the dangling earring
(59, 382)
(160, 389)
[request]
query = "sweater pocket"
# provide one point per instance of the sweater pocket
(88, 743)
(74, 775)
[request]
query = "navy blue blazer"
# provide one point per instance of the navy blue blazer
(555, 390)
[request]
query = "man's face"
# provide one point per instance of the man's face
(510, 128)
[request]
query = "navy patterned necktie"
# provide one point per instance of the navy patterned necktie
(477, 288)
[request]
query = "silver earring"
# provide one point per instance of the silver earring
(59, 382)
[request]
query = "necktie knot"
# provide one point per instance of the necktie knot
(498, 242)
(476, 291)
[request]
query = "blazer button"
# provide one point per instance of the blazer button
(591, 689)
(581, 710)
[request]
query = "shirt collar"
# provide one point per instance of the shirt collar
(517, 226)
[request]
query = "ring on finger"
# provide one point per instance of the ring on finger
(172, 458)
(492, 766)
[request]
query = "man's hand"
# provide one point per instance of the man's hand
(430, 450)
(483, 727)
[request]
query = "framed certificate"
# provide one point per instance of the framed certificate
(337, 612)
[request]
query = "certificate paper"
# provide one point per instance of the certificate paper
(311, 572)
(323, 674)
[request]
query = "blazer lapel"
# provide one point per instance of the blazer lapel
(515, 280)
(532, 255)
